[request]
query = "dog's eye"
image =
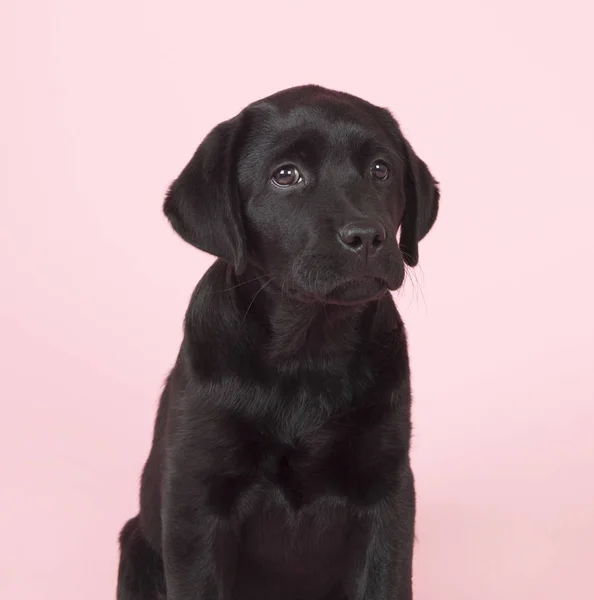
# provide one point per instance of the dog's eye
(380, 170)
(286, 175)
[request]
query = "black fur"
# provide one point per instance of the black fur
(280, 460)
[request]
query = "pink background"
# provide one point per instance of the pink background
(102, 104)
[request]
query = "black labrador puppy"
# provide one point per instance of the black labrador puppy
(279, 468)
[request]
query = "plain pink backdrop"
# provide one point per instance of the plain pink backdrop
(103, 102)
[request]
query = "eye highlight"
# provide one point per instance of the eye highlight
(380, 170)
(286, 176)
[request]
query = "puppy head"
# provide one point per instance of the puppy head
(310, 187)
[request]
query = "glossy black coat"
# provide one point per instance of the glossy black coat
(280, 461)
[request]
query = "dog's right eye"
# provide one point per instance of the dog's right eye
(286, 176)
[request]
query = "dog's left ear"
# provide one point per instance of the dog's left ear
(203, 203)
(422, 203)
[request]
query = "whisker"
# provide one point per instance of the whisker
(254, 299)
(236, 286)
(417, 287)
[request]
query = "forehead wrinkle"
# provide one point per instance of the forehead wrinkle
(298, 139)
(343, 137)
(317, 131)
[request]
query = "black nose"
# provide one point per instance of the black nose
(365, 237)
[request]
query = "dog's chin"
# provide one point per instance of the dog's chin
(357, 291)
(353, 292)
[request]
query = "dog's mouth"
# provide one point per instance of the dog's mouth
(345, 289)
(357, 291)
(351, 292)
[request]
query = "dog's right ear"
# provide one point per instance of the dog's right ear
(203, 203)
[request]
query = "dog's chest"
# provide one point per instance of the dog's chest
(323, 437)
(336, 441)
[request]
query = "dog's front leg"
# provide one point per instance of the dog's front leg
(385, 573)
(199, 547)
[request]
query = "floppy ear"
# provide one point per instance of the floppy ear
(422, 203)
(203, 203)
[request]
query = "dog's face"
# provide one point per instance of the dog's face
(309, 187)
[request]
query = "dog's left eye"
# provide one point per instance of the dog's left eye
(380, 170)
(286, 175)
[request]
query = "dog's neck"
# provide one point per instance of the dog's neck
(297, 329)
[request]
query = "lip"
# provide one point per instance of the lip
(349, 292)
(357, 291)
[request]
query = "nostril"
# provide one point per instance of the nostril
(377, 241)
(355, 242)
